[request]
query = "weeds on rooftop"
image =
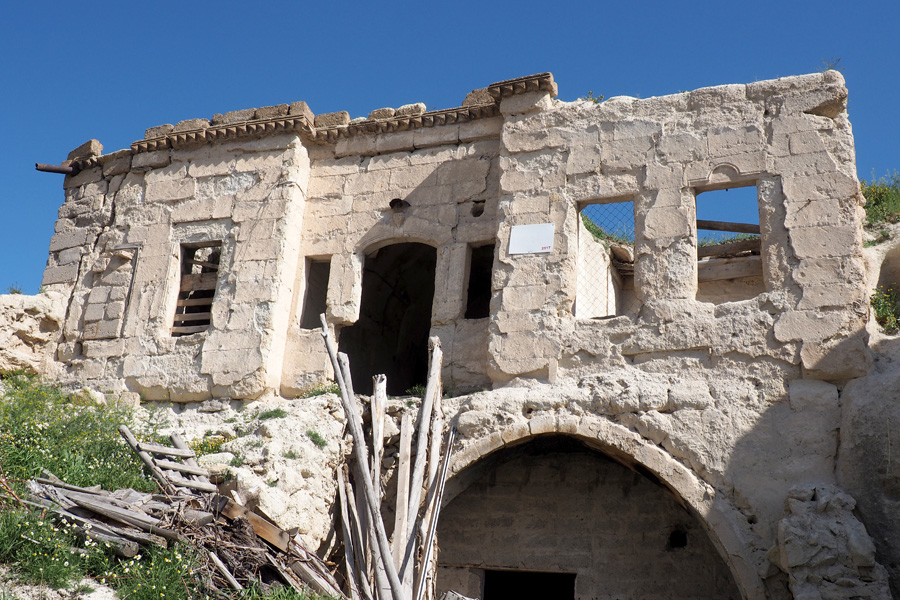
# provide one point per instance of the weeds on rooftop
(604, 237)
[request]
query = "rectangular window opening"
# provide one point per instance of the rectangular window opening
(315, 298)
(478, 294)
(512, 585)
(606, 261)
(199, 277)
(729, 267)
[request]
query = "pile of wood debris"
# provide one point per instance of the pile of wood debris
(241, 546)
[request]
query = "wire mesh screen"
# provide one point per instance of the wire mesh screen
(606, 261)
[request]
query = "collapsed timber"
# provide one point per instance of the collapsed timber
(240, 547)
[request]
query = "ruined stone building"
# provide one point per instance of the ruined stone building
(637, 418)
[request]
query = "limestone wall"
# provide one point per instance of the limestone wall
(728, 404)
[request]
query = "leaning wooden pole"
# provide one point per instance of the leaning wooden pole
(362, 458)
(434, 513)
(432, 389)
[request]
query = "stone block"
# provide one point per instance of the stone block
(396, 141)
(170, 190)
(333, 119)
(271, 112)
(70, 255)
(102, 348)
(99, 330)
(807, 326)
(436, 136)
(478, 97)
(158, 131)
(191, 125)
(88, 149)
(63, 274)
(151, 160)
(116, 163)
(811, 394)
(411, 110)
(359, 145)
(526, 103)
(480, 129)
(69, 239)
(818, 242)
(301, 109)
(234, 116)
(382, 113)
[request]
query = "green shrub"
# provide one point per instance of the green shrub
(275, 413)
(882, 199)
(887, 310)
(209, 444)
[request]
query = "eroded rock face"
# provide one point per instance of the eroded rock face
(826, 550)
(30, 328)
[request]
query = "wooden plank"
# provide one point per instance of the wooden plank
(725, 226)
(61, 484)
(191, 329)
(195, 301)
(201, 486)
(728, 248)
(435, 512)
(361, 452)
(145, 458)
(198, 316)
(232, 582)
(716, 269)
(351, 545)
(179, 443)
(272, 534)
(181, 467)
(127, 517)
(204, 263)
(156, 449)
(401, 513)
(201, 281)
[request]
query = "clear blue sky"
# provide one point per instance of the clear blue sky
(75, 71)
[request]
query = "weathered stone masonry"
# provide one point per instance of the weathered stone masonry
(732, 408)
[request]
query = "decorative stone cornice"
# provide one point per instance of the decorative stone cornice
(254, 128)
(303, 124)
(521, 85)
(433, 118)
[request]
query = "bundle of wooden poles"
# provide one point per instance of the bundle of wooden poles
(403, 568)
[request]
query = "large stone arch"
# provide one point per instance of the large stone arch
(722, 522)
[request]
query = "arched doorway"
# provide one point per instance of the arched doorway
(556, 511)
(391, 335)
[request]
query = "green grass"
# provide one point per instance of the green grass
(603, 236)
(882, 199)
(417, 390)
(291, 454)
(737, 237)
(275, 413)
(14, 289)
(887, 309)
(43, 427)
(315, 438)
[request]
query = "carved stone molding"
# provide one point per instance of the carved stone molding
(521, 85)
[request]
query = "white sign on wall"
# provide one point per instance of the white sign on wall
(531, 239)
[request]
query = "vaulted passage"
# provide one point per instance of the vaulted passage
(391, 336)
(553, 506)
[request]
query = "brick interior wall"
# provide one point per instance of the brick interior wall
(553, 505)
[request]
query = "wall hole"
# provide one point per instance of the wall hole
(677, 539)
(478, 291)
(478, 208)
(316, 292)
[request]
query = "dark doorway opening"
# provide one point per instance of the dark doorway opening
(391, 335)
(525, 585)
